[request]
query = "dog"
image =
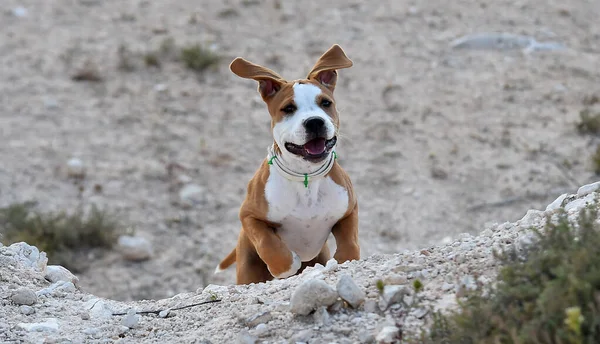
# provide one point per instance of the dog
(300, 194)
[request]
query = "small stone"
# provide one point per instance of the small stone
(395, 279)
(55, 273)
(588, 189)
(20, 12)
(259, 318)
(331, 265)
(26, 310)
(557, 203)
(388, 334)
(191, 195)
(578, 204)
(420, 313)
(392, 294)
(164, 313)
(370, 306)
(366, 336)
(84, 316)
(260, 330)
(302, 336)
(48, 325)
(24, 296)
(75, 168)
(447, 286)
(58, 288)
(321, 316)
(310, 295)
(98, 309)
(244, 337)
(350, 292)
(134, 248)
(28, 255)
(160, 87)
(131, 320)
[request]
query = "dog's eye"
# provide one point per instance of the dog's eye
(325, 103)
(289, 109)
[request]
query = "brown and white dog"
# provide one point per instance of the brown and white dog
(300, 194)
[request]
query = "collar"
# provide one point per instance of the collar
(300, 177)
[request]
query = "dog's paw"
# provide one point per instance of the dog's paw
(296, 264)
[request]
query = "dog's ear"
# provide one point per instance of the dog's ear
(269, 82)
(325, 70)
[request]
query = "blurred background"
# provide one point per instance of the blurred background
(122, 119)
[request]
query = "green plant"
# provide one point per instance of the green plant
(547, 293)
(152, 60)
(596, 160)
(589, 123)
(198, 58)
(61, 235)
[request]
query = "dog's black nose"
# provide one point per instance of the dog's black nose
(314, 125)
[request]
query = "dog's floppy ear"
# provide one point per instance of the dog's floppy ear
(325, 70)
(269, 82)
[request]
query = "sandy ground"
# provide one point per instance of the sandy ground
(437, 141)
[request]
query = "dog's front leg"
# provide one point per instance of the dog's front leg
(280, 260)
(345, 232)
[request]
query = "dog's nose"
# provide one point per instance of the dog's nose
(314, 124)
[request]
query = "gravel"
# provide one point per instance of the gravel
(273, 312)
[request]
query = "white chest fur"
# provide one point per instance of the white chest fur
(306, 214)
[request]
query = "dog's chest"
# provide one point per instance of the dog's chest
(306, 214)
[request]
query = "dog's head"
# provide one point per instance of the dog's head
(304, 119)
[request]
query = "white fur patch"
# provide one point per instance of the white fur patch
(306, 215)
(296, 264)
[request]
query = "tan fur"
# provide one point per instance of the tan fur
(260, 252)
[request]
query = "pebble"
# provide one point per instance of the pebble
(98, 308)
(557, 202)
(191, 195)
(388, 334)
(303, 336)
(244, 337)
(260, 330)
(331, 265)
(134, 248)
(366, 336)
(310, 295)
(350, 292)
(447, 286)
(55, 273)
(75, 168)
(28, 255)
(24, 296)
(26, 310)
(57, 288)
(259, 318)
(164, 313)
(321, 316)
(131, 319)
(588, 189)
(392, 294)
(48, 325)
(20, 12)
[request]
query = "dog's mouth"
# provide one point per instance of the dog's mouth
(314, 150)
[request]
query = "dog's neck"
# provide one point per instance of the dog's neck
(299, 170)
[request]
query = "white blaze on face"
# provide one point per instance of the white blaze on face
(291, 128)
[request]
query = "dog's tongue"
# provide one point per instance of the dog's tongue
(315, 147)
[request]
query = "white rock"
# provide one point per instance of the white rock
(365, 336)
(588, 189)
(388, 334)
(50, 103)
(134, 248)
(259, 318)
(55, 273)
(578, 204)
(191, 195)
(370, 306)
(244, 337)
(447, 286)
(58, 287)
(24, 296)
(26, 310)
(310, 295)
(75, 168)
(331, 265)
(260, 330)
(164, 313)
(131, 319)
(531, 218)
(29, 256)
(20, 12)
(98, 309)
(48, 325)
(350, 292)
(160, 87)
(391, 294)
(321, 316)
(557, 202)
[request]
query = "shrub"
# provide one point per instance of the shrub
(62, 236)
(547, 293)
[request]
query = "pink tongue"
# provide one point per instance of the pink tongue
(315, 147)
